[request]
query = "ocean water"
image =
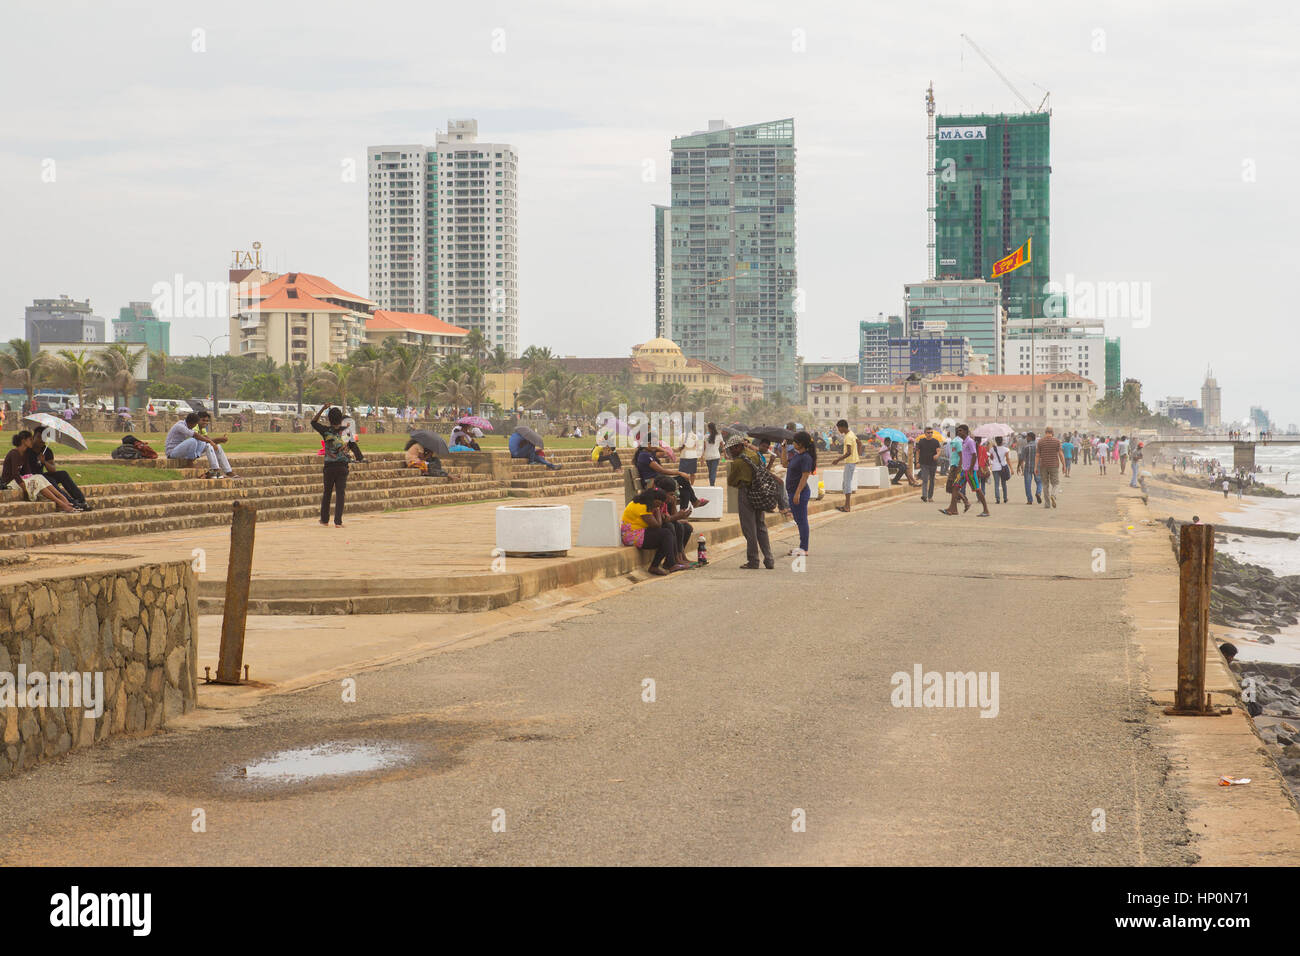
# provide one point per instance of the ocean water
(1280, 555)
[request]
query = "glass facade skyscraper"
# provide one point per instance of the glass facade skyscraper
(992, 193)
(733, 274)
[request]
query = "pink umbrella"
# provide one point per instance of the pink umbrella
(475, 421)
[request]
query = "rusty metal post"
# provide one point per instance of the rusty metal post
(238, 575)
(1195, 577)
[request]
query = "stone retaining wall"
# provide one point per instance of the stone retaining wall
(134, 624)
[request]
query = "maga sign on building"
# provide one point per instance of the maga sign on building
(962, 132)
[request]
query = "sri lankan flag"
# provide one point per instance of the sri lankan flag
(1014, 261)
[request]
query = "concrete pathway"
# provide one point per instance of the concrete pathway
(771, 708)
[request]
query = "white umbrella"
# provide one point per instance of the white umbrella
(993, 430)
(55, 429)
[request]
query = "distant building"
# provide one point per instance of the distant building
(663, 272)
(732, 241)
(1061, 400)
(1114, 378)
(657, 362)
(926, 355)
(746, 389)
(873, 352)
(137, 323)
(1047, 346)
(1212, 400)
(295, 317)
(1259, 418)
(1181, 409)
(62, 320)
(417, 330)
(444, 232)
(812, 370)
(991, 193)
(968, 308)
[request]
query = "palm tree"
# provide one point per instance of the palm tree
(117, 365)
(78, 372)
(406, 368)
(459, 392)
(23, 367)
(370, 378)
(158, 362)
(335, 376)
(476, 346)
(298, 374)
(535, 359)
(554, 392)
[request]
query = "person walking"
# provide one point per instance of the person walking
(712, 452)
(335, 474)
(1000, 466)
(1050, 464)
(742, 464)
(800, 464)
(1026, 465)
(927, 452)
(1121, 450)
(1067, 449)
(967, 475)
(953, 455)
(1101, 457)
(850, 459)
(1135, 464)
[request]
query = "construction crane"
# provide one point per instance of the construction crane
(992, 66)
(933, 199)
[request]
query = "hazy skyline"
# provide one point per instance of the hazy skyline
(1170, 152)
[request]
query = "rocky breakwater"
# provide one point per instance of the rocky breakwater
(88, 655)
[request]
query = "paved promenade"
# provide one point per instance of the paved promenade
(774, 702)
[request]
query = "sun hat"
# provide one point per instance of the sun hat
(734, 440)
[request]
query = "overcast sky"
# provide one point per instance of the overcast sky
(1174, 144)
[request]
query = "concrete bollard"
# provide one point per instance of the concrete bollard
(714, 510)
(599, 525)
(534, 531)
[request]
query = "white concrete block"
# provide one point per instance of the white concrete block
(716, 507)
(871, 476)
(599, 526)
(833, 478)
(534, 530)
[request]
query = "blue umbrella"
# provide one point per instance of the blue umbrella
(893, 434)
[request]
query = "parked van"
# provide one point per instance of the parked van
(55, 400)
(170, 407)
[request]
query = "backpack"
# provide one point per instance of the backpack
(765, 489)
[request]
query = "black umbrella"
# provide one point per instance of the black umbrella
(735, 428)
(771, 433)
(430, 442)
(530, 436)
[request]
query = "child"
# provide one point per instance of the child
(336, 448)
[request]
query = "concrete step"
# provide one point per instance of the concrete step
(142, 509)
(94, 525)
(203, 493)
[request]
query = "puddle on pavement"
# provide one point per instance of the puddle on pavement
(324, 761)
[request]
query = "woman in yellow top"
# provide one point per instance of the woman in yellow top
(643, 527)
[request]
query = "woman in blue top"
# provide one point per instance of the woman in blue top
(799, 466)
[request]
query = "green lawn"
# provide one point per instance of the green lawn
(115, 474)
(101, 444)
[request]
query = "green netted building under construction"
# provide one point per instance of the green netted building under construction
(992, 177)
